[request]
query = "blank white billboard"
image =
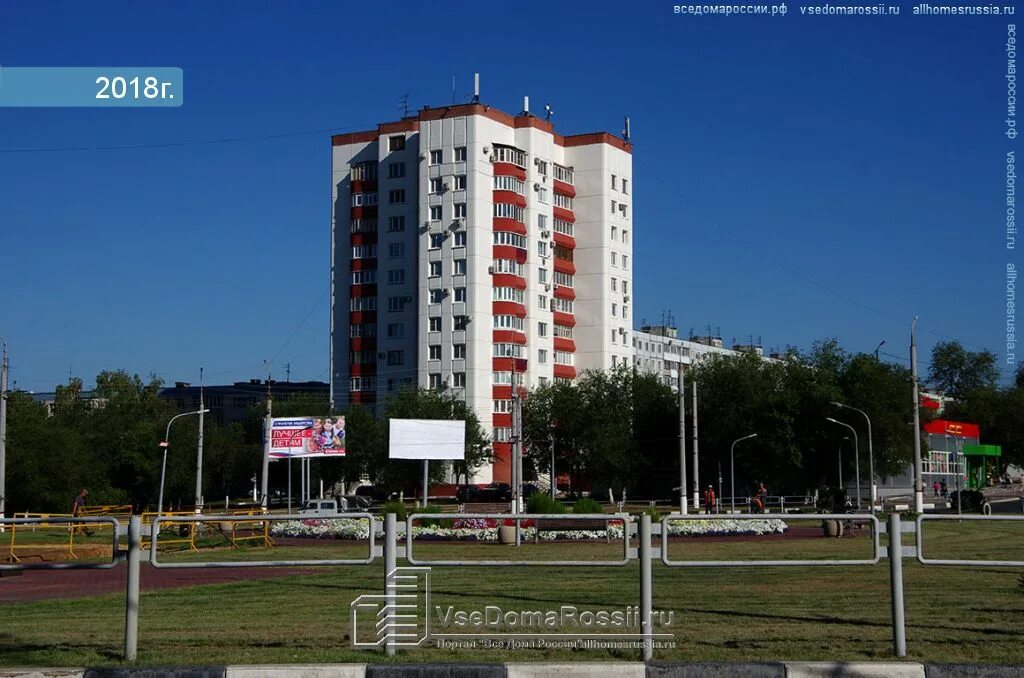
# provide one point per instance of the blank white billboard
(427, 439)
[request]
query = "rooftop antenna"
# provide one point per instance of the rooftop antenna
(476, 88)
(625, 132)
(287, 372)
(453, 90)
(548, 112)
(403, 105)
(526, 106)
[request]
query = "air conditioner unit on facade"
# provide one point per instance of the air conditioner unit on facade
(487, 150)
(625, 297)
(423, 156)
(547, 288)
(545, 234)
(427, 223)
(622, 330)
(536, 187)
(445, 187)
(536, 161)
(490, 270)
(552, 304)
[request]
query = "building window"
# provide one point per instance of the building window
(542, 302)
(460, 154)
(396, 330)
(501, 378)
(563, 358)
(542, 329)
(434, 352)
(625, 185)
(614, 285)
(396, 143)
(460, 239)
(542, 195)
(615, 309)
(459, 351)
(563, 253)
(563, 279)
(504, 183)
(435, 381)
(542, 167)
(396, 224)
(435, 213)
(435, 269)
(435, 296)
(614, 181)
(563, 201)
(511, 239)
(542, 275)
(436, 240)
(363, 384)
(562, 226)
(502, 406)
(625, 287)
(502, 434)
(364, 251)
(396, 276)
(563, 174)
(460, 182)
(613, 336)
(562, 305)
(396, 250)
(435, 185)
(542, 248)
(625, 237)
(625, 261)
(364, 225)
(364, 199)
(396, 357)
(563, 331)
(396, 196)
(460, 210)
(362, 304)
(615, 233)
(505, 210)
(613, 206)
(615, 259)
(363, 171)
(460, 294)
(362, 330)
(625, 315)
(542, 356)
(460, 267)
(459, 379)
(507, 294)
(542, 222)
(509, 154)
(364, 277)
(508, 322)
(508, 351)
(434, 324)
(396, 170)
(461, 321)
(436, 156)
(396, 304)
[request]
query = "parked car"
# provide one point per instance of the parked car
(485, 493)
(320, 508)
(372, 492)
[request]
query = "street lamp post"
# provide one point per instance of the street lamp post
(871, 452)
(856, 451)
(165, 444)
(732, 471)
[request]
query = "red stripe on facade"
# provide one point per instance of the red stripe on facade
(502, 420)
(508, 308)
(354, 138)
(359, 317)
(563, 344)
(509, 198)
(564, 240)
(362, 290)
(510, 225)
(953, 428)
(507, 169)
(563, 188)
(563, 319)
(564, 372)
(364, 264)
(501, 471)
(508, 280)
(365, 186)
(362, 369)
(563, 214)
(509, 252)
(501, 392)
(564, 266)
(363, 238)
(508, 337)
(563, 292)
(362, 397)
(360, 343)
(400, 126)
(364, 212)
(509, 364)
(597, 138)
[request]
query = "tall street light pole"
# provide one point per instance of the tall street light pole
(199, 449)
(918, 478)
(880, 345)
(696, 459)
(165, 444)
(856, 449)
(3, 429)
(871, 452)
(682, 441)
(732, 471)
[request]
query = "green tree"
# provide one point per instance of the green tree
(958, 372)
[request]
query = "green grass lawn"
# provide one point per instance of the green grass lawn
(728, 614)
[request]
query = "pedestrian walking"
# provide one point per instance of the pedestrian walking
(935, 488)
(709, 500)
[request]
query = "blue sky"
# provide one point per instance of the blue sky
(795, 178)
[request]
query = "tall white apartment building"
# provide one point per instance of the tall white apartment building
(473, 249)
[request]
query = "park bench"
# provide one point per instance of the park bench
(488, 507)
(568, 524)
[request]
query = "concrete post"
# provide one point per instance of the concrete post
(646, 604)
(899, 628)
(390, 563)
(131, 612)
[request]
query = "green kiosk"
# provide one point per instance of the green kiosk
(979, 466)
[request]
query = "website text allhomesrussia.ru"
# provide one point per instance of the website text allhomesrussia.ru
(565, 618)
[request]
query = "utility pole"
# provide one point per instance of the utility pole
(918, 485)
(267, 423)
(4, 367)
(516, 444)
(554, 483)
(696, 468)
(199, 451)
(682, 442)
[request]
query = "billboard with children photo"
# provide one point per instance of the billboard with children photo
(307, 437)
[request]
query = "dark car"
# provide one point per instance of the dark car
(484, 493)
(372, 492)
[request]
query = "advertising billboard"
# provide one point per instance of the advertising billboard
(427, 439)
(307, 437)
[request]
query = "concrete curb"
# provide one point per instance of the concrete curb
(545, 670)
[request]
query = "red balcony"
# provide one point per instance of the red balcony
(365, 238)
(566, 319)
(508, 308)
(509, 198)
(363, 343)
(360, 317)
(362, 369)
(563, 344)
(564, 372)
(509, 252)
(502, 469)
(364, 212)
(564, 266)
(563, 214)
(563, 188)
(508, 337)
(563, 292)
(509, 225)
(507, 169)
(364, 264)
(564, 240)
(508, 280)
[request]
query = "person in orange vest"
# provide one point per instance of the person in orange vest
(709, 500)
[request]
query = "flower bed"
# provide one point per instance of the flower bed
(486, 529)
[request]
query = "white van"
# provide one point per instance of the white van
(321, 508)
